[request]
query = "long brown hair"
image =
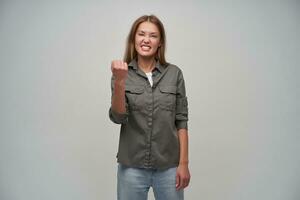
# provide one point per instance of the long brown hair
(131, 53)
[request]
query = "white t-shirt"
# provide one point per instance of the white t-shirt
(149, 75)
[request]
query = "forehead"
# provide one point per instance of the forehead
(148, 27)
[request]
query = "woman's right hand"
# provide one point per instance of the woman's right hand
(119, 70)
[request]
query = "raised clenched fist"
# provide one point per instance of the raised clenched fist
(119, 70)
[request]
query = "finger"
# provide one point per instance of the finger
(177, 181)
(186, 182)
(119, 64)
(114, 64)
(181, 183)
(126, 66)
(122, 65)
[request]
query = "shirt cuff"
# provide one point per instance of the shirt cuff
(181, 124)
(118, 118)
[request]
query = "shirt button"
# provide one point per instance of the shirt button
(149, 123)
(148, 165)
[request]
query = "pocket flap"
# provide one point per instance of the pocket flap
(168, 89)
(134, 89)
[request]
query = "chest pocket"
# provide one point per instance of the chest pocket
(134, 95)
(167, 97)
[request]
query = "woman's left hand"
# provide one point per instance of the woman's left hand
(182, 176)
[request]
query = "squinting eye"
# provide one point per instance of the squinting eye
(154, 36)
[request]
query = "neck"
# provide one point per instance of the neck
(146, 64)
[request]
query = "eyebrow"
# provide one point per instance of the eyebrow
(150, 32)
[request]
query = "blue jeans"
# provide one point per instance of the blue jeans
(134, 183)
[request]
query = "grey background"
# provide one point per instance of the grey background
(241, 65)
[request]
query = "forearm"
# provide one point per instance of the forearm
(118, 98)
(183, 143)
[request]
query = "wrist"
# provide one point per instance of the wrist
(184, 163)
(120, 82)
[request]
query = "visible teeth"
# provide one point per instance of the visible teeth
(145, 47)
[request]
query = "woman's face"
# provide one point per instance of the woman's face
(147, 39)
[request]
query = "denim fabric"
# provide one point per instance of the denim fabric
(134, 183)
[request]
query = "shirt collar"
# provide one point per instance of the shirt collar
(158, 66)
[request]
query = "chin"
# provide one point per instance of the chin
(146, 54)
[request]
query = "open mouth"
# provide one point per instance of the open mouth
(145, 47)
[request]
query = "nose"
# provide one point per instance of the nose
(146, 39)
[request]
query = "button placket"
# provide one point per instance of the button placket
(149, 107)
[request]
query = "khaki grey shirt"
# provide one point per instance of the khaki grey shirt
(148, 133)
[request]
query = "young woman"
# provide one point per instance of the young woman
(149, 101)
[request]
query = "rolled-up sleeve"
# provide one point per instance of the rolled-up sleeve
(118, 118)
(181, 117)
